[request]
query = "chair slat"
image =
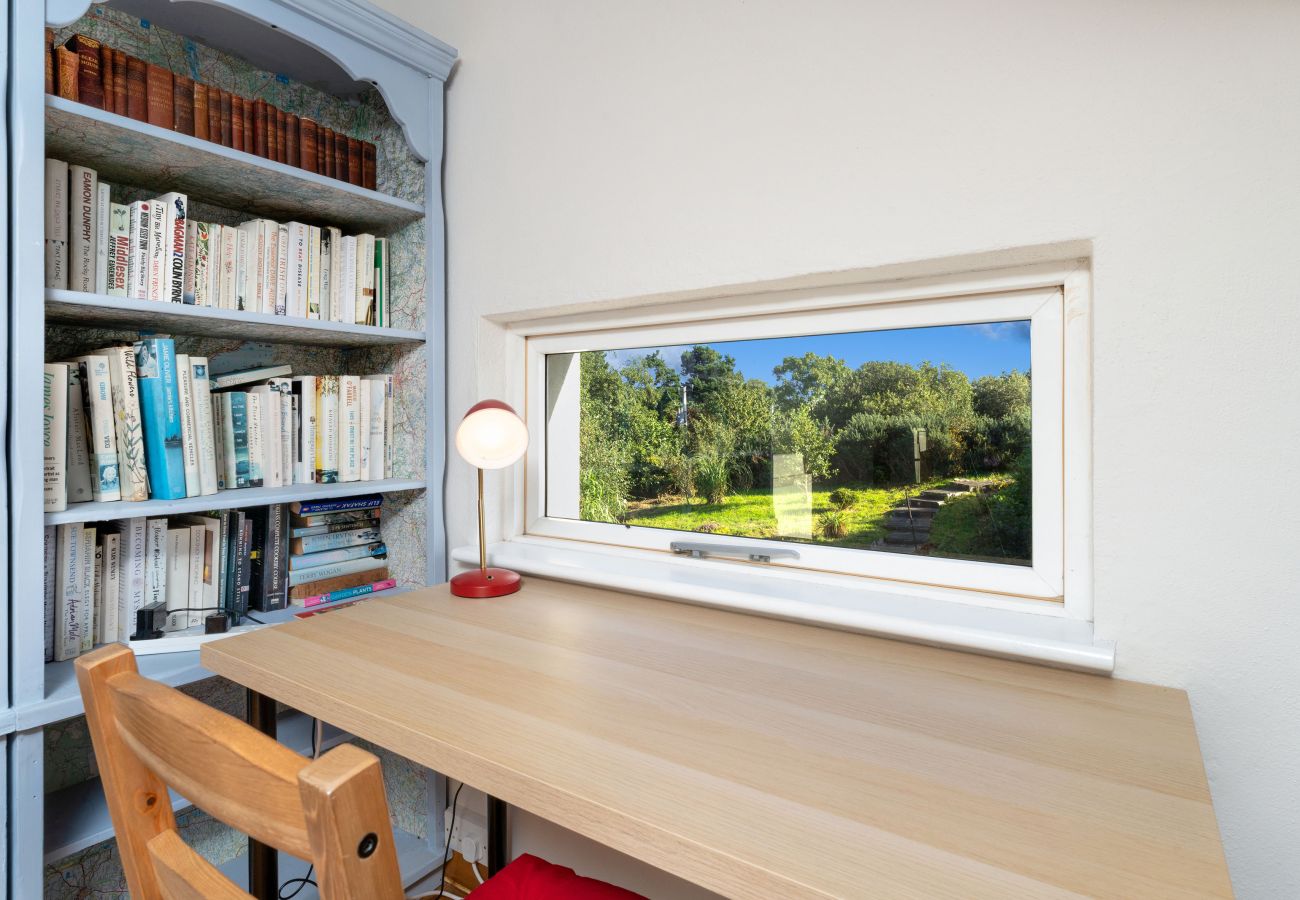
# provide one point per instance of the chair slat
(185, 875)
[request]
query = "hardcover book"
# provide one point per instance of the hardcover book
(292, 152)
(234, 424)
(214, 114)
(121, 102)
(339, 583)
(137, 268)
(269, 588)
(256, 441)
(334, 570)
(178, 579)
(201, 112)
(365, 263)
(155, 360)
(175, 207)
(360, 590)
(227, 122)
(137, 89)
(183, 104)
(368, 165)
(133, 476)
(307, 145)
(327, 430)
(315, 507)
(90, 77)
(131, 594)
(69, 601)
(309, 561)
(55, 433)
(199, 554)
(65, 61)
(157, 250)
(338, 540)
(56, 224)
(155, 561)
(110, 629)
(160, 96)
(304, 407)
(236, 121)
(106, 75)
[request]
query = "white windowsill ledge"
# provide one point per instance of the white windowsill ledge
(925, 615)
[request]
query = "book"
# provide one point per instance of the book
(205, 564)
(137, 89)
(90, 77)
(106, 75)
(237, 121)
(183, 104)
(248, 126)
(241, 570)
(132, 584)
(137, 267)
(333, 297)
(292, 152)
(51, 576)
(49, 89)
(322, 523)
(175, 207)
(360, 590)
(56, 224)
(354, 161)
(253, 253)
(256, 441)
(242, 278)
(214, 114)
(119, 66)
(269, 587)
(281, 137)
(65, 62)
(327, 429)
(228, 380)
(280, 285)
(101, 426)
(369, 159)
(299, 562)
(227, 119)
(157, 247)
(103, 200)
(109, 623)
(349, 428)
(363, 430)
(78, 440)
(83, 194)
(178, 579)
(314, 507)
(334, 570)
(259, 128)
(198, 263)
(234, 424)
(267, 402)
(284, 407)
(377, 388)
(205, 431)
(219, 443)
(189, 425)
(315, 276)
(155, 561)
(125, 389)
(272, 135)
(201, 130)
(55, 434)
(69, 601)
(159, 95)
(382, 299)
(197, 587)
(88, 574)
(340, 583)
(336, 540)
(348, 282)
(97, 594)
(304, 408)
(119, 249)
(212, 289)
(296, 264)
(229, 246)
(306, 145)
(155, 361)
(222, 564)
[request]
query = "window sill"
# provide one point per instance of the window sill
(1030, 630)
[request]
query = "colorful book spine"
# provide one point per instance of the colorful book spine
(157, 250)
(137, 267)
(300, 561)
(335, 540)
(119, 249)
(360, 590)
(234, 423)
(334, 570)
(175, 216)
(55, 433)
(313, 507)
(155, 360)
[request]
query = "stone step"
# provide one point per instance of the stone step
(940, 494)
(917, 512)
(921, 531)
(970, 485)
(924, 502)
(905, 537)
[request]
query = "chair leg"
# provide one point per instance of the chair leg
(498, 846)
(263, 863)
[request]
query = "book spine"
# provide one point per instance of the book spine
(55, 416)
(298, 270)
(155, 360)
(307, 144)
(329, 523)
(318, 543)
(56, 224)
(191, 262)
(132, 595)
(227, 119)
(50, 584)
(176, 208)
(335, 292)
(314, 274)
(378, 388)
(272, 135)
(304, 392)
(327, 430)
(244, 264)
(214, 114)
(178, 579)
(234, 427)
(137, 267)
(275, 572)
(157, 250)
(365, 304)
(328, 585)
(50, 82)
(256, 448)
(283, 259)
(268, 433)
(106, 75)
(242, 570)
(313, 507)
(325, 262)
(103, 200)
(201, 112)
(84, 191)
(368, 165)
(120, 104)
(134, 478)
(78, 471)
(299, 562)
(90, 77)
(200, 553)
(360, 590)
(230, 237)
(201, 388)
(259, 128)
(183, 111)
(97, 391)
(334, 570)
(66, 64)
(155, 562)
(160, 96)
(363, 430)
(212, 287)
(348, 285)
(137, 90)
(382, 299)
(284, 387)
(198, 264)
(189, 425)
(281, 136)
(119, 248)
(349, 428)
(219, 441)
(292, 151)
(96, 595)
(236, 121)
(69, 608)
(354, 161)
(248, 127)
(111, 627)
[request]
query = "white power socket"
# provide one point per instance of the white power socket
(470, 837)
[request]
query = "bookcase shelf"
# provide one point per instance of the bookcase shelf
(103, 511)
(99, 310)
(128, 151)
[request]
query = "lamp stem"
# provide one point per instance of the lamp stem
(482, 534)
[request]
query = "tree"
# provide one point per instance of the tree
(796, 431)
(708, 374)
(807, 380)
(1001, 396)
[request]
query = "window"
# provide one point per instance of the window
(909, 438)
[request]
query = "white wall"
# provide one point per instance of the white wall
(603, 150)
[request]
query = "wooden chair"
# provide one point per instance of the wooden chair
(147, 736)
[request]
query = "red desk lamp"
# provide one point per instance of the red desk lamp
(491, 436)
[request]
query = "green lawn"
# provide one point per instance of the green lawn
(751, 513)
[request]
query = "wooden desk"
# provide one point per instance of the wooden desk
(734, 751)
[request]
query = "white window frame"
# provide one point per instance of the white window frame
(1055, 298)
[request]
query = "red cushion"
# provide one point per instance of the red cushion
(530, 878)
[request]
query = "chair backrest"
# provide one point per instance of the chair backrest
(148, 737)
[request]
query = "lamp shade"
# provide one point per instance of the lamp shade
(491, 436)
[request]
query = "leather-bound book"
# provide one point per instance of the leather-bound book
(281, 136)
(291, 153)
(227, 125)
(272, 135)
(49, 61)
(183, 104)
(137, 89)
(307, 145)
(106, 75)
(120, 104)
(237, 121)
(248, 126)
(340, 156)
(354, 161)
(201, 111)
(160, 97)
(90, 77)
(369, 158)
(259, 128)
(67, 64)
(320, 151)
(214, 114)
(326, 139)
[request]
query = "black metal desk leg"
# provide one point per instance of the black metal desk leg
(498, 844)
(263, 864)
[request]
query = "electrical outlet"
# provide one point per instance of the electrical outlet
(470, 836)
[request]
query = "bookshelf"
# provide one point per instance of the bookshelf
(387, 82)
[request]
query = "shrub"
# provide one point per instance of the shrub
(845, 498)
(602, 481)
(833, 524)
(711, 477)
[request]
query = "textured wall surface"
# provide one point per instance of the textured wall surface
(599, 151)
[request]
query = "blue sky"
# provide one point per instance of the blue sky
(988, 349)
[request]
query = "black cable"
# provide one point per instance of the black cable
(301, 882)
(253, 618)
(446, 853)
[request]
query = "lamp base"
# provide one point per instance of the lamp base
(496, 583)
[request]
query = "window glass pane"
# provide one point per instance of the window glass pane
(911, 440)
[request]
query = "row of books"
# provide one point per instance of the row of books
(98, 576)
(140, 422)
(152, 250)
(87, 71)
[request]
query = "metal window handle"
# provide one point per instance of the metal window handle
(700, 550)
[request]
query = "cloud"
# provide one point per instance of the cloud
(671, 354)
(1004, 331)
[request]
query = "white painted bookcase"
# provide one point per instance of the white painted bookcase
(328, 41)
